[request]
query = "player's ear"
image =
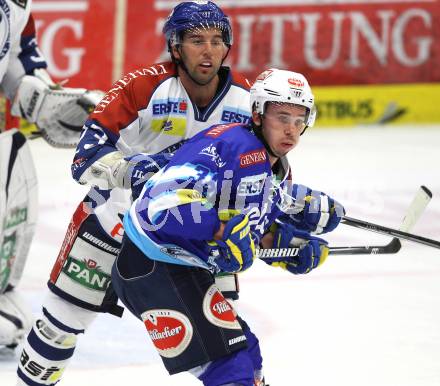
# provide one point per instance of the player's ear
(256, 118)
(175, 52)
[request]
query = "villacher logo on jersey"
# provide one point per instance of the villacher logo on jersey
(218, 311)
(171, 331)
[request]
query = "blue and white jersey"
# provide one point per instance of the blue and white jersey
(222, 170)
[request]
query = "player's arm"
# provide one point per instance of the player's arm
(25, 59)
(181, 198)
(311, 210)
(181, 201)
(98, 162)
(312, 250)
(98, 159)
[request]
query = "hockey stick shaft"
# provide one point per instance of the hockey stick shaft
(413, 213)
(361, 224)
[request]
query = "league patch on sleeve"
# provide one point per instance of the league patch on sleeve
(218, 130)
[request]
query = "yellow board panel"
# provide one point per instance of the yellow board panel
(356, 105)
(371, 104)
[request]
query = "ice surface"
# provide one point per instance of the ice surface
(357, 320)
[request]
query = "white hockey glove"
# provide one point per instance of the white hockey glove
(59, 112)
(116, 171)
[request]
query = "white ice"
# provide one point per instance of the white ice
(357, 320)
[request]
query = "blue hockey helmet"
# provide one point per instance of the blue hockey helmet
(196, 14)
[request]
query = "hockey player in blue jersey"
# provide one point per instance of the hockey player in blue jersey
(221, 196)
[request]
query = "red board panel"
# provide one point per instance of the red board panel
(338, 44)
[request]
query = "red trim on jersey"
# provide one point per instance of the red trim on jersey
(128, 95)
(218, 130)
(29, 29)
(240, 80)
(81, 213)
(11, 121)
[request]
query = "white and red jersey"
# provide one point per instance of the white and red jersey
(148, 111)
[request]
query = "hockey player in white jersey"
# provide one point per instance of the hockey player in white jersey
(150, 110)
(59, 114)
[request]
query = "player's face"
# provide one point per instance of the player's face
(282, 125)
(202, 51)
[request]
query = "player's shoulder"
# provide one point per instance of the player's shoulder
(235, 136)
(136, 87)
(17, 14)
(239, 80)
(149, 77)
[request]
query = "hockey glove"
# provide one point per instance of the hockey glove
(59, 112)
(313, 251)
(236, 248)
(142, 167)
(314, 211)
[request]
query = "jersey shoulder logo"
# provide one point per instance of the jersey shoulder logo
(218, 130)
(211, 152)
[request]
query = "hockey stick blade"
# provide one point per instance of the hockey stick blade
(412, 215)
(392, 247)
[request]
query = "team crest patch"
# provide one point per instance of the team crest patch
(218, 310)
(20, 3)
(171, 331)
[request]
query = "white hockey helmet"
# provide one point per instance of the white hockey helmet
(283, 86)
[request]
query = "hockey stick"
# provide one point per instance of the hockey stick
(392, 247)
(361, 224)
(413, 213)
